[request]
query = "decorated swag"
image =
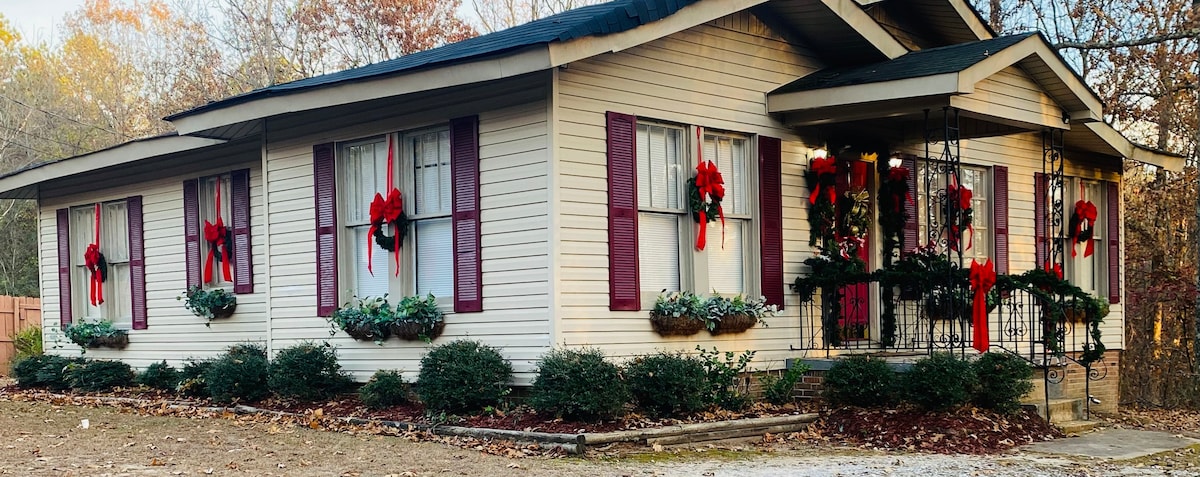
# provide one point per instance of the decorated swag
(705, 193)
(388, 211)
(959, 215)
(97, 266)
(219, 239)
(1083, 226)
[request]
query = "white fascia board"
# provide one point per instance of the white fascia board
(122, 154)
(1134, 152)
(529, 60)
(853, 14)
(1035, 46)
(943, 84)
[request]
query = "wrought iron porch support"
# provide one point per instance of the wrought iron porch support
(943, 157)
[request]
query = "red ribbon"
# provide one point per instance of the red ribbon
(961, 197)
(826, 170)
(983, 278)
(899, 175)
(385, 211)
(1057, 270)
(91, 258)
(711, 186)
(215, 235)
(1085, 211)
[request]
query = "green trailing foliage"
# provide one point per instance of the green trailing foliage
(28, 342)
(778, 390)
(308, 372)
(160, 375)
(385, 389)
(941, 381)
(209, 304)
(578, 385)
(99, 375)
(1003, 379)
(364, 319)
(96, 334)
(463, 377)
(723, 374)
(668, 384)
(862, 381)
(239, 375)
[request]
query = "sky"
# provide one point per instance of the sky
(35, 19)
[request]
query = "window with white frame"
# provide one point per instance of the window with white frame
(978, 180)
(208, 214)
(662, 207)
(727, 245)
(114, 245)
(1087, 273)
(423, 175)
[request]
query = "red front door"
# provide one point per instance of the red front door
(854, 324)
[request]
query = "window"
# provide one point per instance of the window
(727, 245)
(208, 214)
(979, 181)
(423, 176)
(1087, 273)
(114, 245)
(662, 207)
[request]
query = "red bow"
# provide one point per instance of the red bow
(384, 211)
(215, 235)
(899, 175)
(983, 277)
(92, 259)
(826, 170)
(957, 195)
(711, 185)
(1085, 211)
(1057, 270)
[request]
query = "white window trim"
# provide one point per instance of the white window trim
(1100, 254)
(407, 181)
(989, 229)
(203, 197)
(81, 288)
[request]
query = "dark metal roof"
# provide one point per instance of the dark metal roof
(917, 64)
(612, 17)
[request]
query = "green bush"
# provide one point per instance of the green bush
(191, 377)
(1003, 380)
(26, 369)
(668, 384)
(159, 376)
(28, 342)
(725, 388)
(860, 381)
(386, 388)
(52, 373)
(99, 375)
(941, 381)
(246, 349)
(578, 385)
(463, 377)
(238, 375)
(778, 389)
(307, 371)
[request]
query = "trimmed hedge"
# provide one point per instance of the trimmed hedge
(159, 376)
(941, 381)
(860, 381)
(578, 385)
(99, 375)
(385, 389)
(191, 378)
(238, 375)
(307, 372)
(1003, 380)
(668, 384)
(463, 377)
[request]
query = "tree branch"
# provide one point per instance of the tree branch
(1148, 40)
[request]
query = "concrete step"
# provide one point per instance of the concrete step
(1077, 427)
(1061, 410)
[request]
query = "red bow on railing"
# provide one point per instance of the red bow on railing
(960, 197)
(384, 211)
(94, 262)
(983, 278)
(1085, 211)
(712, 188)
(826, 170)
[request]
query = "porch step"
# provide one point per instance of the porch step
(1061, 410)
(1077, 427)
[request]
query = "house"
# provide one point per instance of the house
(543, 172)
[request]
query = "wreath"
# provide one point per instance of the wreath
(959, 216)
(893, 195)
(219, 238)
(705, 193)
(822, 217)
(1083, 227)
(388, 211)
(98, 267)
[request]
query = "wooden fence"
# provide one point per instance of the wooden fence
(16, 314)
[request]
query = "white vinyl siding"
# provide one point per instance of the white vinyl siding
(364, 174)
(429, 155)
(114, 245)
(663, 207)
(208, 213)
(725, 244)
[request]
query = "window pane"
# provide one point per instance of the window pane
(729, 154)
(117, 305)
(658, 169)
(644, 178)
(208, 213)
(726, 273)
(658, 251)
(444, 171)
(434, 257)
(115, 227)
(365, 284)
(82, 227)
(431, 173)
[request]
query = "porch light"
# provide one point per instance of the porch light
(895, 161)
(820, 153)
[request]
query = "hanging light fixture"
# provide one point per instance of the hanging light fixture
(895, 161)
(820, 153)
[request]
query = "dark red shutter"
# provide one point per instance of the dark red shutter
(1000, 212)
(624, 284)
(1113, 202)
(468, 263)
(770, 205)
(239, 191)
(1041, 242)
(137, 261)
(325, 196)
(912, 228)
(191, 231)
(64, 267)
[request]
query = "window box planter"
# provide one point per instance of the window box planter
(413, 331)
(736, 323)
(211, 304)
(670, 325)
(678, 314)
(418, 318)
(102, 334)
(115, 341)
(364, 319)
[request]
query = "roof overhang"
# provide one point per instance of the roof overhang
(1101, 138)
(24, 184)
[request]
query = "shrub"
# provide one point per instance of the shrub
(52, 373)
(26, 370)
(191, 378)
(860, 381)
(1003, 380)
(578, 385)
(238, 375)
(247, 349)
(463, 376)
(159, 376)
(386, 388)
(725, 389)
(99, 375)
(307, 371)
(28, 342)
(668, 384)
(778, 389)
(941, 381)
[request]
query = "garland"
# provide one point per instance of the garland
(893, 216)
(97, 265)
(388, 211)
(705, 192)
(822, 217)
(218, 238)
(1083, 227)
